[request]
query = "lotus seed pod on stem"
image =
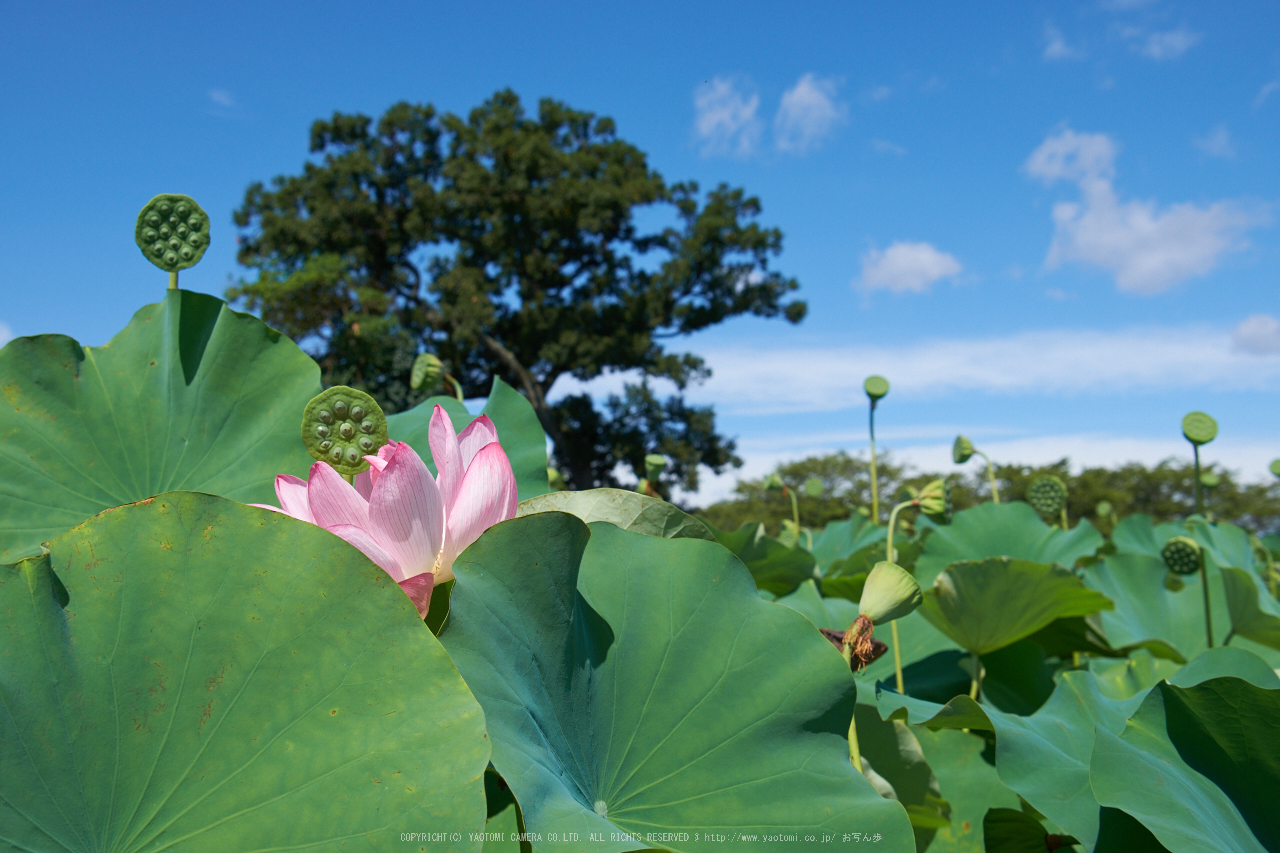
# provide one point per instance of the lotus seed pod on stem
(1047, 495)
(1184, 556)
(876, 387)
(427, 372)
(173, 232)
(341, 426)
(962, 450)
(654, 465)
(1198, 428)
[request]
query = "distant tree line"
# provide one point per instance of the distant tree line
(1166, 492)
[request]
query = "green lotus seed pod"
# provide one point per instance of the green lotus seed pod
(172, 231)
(773, 483)
(1047, 495)
(890, 593)
(1274, 467)
(426, 373)
(654, 465)
(1199, 428)
(1182, 555)
(876, 387)
(962, 450)
(813, 487)
(334, 433)
(935, 501)
(1103, 509)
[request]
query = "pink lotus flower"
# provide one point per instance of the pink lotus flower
(411, 524)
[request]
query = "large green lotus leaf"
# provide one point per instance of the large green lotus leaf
(1124, 678)
(776, 567)
(1254, 614)
(225, 678)
(513, 417)
(628, 510)
(190, 395)
(1145, 610)
(1002, 530)
(1197, 766)
(636, 685)
(1045, 757)
(839, 539)
(891, 750)
(968, 783)
(834, 613)
(985, 605)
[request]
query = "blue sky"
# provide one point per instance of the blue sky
(1053, 226)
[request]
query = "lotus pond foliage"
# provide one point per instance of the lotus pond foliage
(242, 612)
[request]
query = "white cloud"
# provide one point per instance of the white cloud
(1056, 47)
(1146, 249)
(1217, 143)
(222, 98)
(808, 113)
(1258, 335)
(907, 267)
(726, 120)
(1169, 44)
(884, 146)
(752, 380)
(6, 334)
(1266, 92)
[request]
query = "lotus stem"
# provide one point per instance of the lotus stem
(1226, 641)
(855, 755)
(875, 494)
(889, 553)
(1195, 448)
(897, 658)
(991, 477)
(795, 512)
(1208, 619)
(526, 846)
(975, 686)
(457, 389)
(1065, 526)
(173, 280)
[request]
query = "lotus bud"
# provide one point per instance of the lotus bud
(341, 426)
(1183, 555)
(427, 372)
(935, 501)
(773, 483)
(890, 593)
(876, 387)
(962, 450)
(1047, 495)
(654, 465)
(1198, 428)
(813, 487)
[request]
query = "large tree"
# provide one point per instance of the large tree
(509, 245)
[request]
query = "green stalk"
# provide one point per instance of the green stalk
(975, 685)
(891, 556)
(897, 658)
(855, 755)
(875, 495)
(1208, 620)
(795, 512)
(525, 845)
(457, 389)
(1064, 517)
(1199, 500)
(991, 477)
(173, 280)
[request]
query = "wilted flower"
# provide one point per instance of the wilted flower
(411, 524)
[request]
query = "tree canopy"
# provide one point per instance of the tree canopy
(509, 244)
